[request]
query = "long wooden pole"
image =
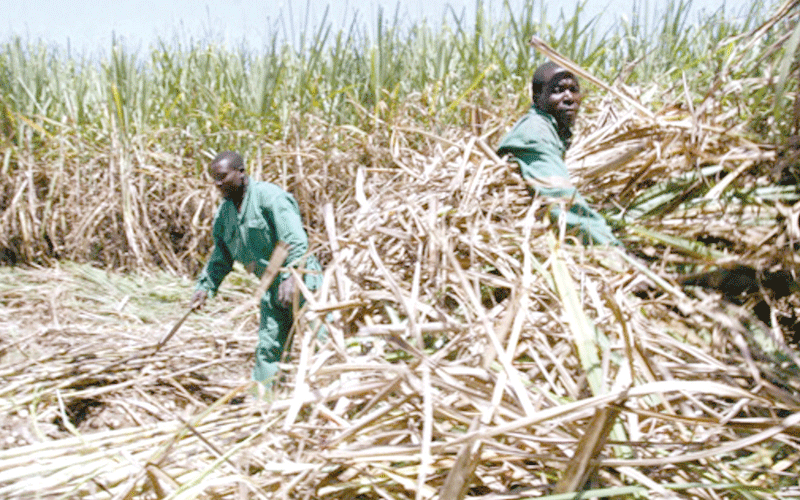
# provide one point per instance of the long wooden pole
(276, 260)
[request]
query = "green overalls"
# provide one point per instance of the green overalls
(536, 146)
(268, 215)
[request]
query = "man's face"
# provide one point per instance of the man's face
(561, 98)
(229, 181)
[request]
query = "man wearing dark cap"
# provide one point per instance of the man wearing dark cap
(538, 143)
(252, 218)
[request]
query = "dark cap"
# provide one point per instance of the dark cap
(544, 74)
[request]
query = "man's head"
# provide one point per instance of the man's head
(227, 172)
(556, 92)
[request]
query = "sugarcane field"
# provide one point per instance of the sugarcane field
(459, 343)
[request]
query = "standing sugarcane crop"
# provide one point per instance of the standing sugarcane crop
(250, 222)
(538, 143)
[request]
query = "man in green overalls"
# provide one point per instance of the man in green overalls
(253, 217)
(538, 143)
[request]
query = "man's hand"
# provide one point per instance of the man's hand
(198, 299)
(286, 291)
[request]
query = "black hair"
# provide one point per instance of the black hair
(544, 74)
(233, 159)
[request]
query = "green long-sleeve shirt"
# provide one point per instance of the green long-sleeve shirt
(268, 215)
(535, 145)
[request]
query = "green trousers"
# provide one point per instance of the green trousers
(276, 324)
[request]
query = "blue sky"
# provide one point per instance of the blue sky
(89, 25)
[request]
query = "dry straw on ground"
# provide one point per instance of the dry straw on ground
(472, 351)
(426, 383)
